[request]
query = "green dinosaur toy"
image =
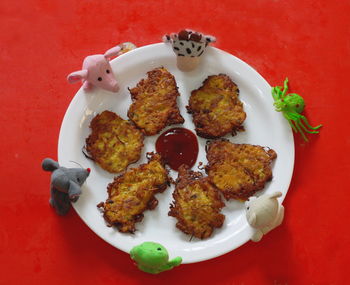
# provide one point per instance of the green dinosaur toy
(153, 258)
(291, 105)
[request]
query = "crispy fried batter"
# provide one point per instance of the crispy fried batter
(216, 108)
(131, 193)
(197, 204)
(114, 143)
(154, 102)
(238, 170)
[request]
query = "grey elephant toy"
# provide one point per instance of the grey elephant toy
(65, 184)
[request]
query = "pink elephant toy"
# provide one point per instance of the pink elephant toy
(97, 71)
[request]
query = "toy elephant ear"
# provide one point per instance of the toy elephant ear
(114, 51)
(276, 195)
(77, 76)
(252, 219)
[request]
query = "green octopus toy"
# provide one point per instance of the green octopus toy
(292, 105)
(153, 258)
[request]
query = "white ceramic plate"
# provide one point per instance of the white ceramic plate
(263, 126)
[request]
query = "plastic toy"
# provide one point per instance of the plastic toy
(264, 214)
(97, 70)
(65, 184)
(292, 105)
(153, 258)
(189, 46)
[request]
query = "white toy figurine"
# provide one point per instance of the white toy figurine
(264, 213)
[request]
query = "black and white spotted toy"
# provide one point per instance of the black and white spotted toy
(188, 45)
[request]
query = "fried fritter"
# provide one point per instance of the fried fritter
(238, 170)
(216, 108)
(154, 102)
(114, 143)
(197, 204)
(131, 193)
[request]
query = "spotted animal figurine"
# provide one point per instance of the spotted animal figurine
(264, 213)
(65, 184)
(153, 258)
(189, 47)
(292, 105)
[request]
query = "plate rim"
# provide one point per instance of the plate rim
(245, 233)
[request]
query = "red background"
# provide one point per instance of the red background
(42, 41)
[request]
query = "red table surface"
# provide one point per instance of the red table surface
(42, 41)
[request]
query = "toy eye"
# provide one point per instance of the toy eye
(247, 208)
(107, 71)
(78, 179)
(159, 248)
(99, 79)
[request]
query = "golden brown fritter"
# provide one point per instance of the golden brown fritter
(114, 143)
(154, 102)
(216, 108)
(197, 204)
(238, 170)
(131, 193)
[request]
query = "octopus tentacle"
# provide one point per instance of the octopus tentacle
(297, 124)
(290, 121)
(309, 126)
(305, 128)
(285, 87)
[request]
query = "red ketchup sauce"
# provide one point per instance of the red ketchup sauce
(178, 146)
